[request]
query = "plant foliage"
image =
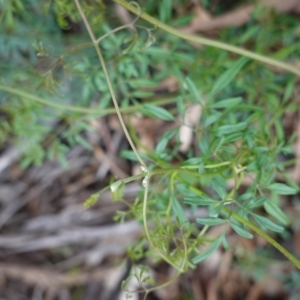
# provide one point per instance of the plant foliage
(54, 86)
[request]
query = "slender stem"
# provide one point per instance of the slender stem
(208, 42)
(84, 110)
(212, 166)
(40, 100)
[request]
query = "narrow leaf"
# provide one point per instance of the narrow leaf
(241, 231)
(161, 146)
(138, 83)
(142, 94)
(216, 209)
(245, 196)
(219, 188)
(193, 89)
(224, 80)
(180, 106)
(282, 189)
(267, 224)
(178, 210)
(274, 210)
(128, 154)
(225, 242)
(203, 200)
(157, 112)
(256, 203)
(132, 41)
(210, 221)
(212, 248)
(204, 146)
(228, 103)
(289, 90)
(212, 119)
(226, 129)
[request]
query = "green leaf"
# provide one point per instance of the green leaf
(201, 200)
(219, 187)
(158, 52)
(212, 248)
(192, 161)
(182, 20)
(267, 224)
(142, 94)
(289, 90)
(180, 106)
(274, 210)
(245, 196)
(249, 33)
(229, 138)
(128, 154)
(165, 9)
(224, 80)
(157, 112)
(224, 241)
(193, 89)
(201, 168)
(215, 210)
(210, 221)
(243, 213)
(161, 146)
(178, 210)
(138, 83)
(185, 189)
(255, 203)
(241, 231)
(130, 42)
(212, 119)
(227, 103)
(226, 129)
(204, 146)
(282, 189)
